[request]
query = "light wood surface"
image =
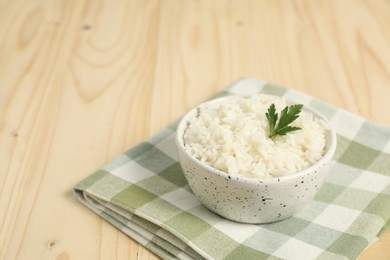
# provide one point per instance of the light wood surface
(82, 81)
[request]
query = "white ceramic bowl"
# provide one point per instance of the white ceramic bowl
(252, 200)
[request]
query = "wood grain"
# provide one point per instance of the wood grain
(82, 81)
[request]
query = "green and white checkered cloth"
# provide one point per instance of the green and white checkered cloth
(144, 193)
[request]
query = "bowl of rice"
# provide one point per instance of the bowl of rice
(237, 171)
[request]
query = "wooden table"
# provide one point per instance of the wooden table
(82, 81)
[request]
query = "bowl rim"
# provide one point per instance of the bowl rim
(331, 146)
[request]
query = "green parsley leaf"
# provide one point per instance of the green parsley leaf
(288, 115)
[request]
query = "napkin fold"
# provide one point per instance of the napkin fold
(143, 193)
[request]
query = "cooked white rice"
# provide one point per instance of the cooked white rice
(233, 137)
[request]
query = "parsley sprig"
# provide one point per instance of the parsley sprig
(287, 116)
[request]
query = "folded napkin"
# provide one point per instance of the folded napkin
(143, 193)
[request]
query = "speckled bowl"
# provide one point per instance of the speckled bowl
(250, 200)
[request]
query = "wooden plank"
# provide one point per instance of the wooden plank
(82, 81)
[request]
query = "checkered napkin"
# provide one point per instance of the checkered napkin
(144, 193)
